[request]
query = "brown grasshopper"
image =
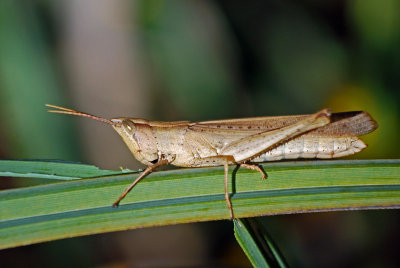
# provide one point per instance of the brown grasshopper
(243, 142)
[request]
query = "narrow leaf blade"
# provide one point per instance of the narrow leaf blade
(83, 206)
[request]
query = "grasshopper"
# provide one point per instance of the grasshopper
(243, 142)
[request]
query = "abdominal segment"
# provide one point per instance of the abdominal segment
(313, 147)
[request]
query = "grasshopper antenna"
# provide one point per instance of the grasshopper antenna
(63, 110)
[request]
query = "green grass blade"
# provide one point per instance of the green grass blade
(249, 244)
(83, 206)
(56, 170)
(257, 245)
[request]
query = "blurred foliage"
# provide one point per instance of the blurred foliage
(28, 79)
(191, 60)
(198, 60)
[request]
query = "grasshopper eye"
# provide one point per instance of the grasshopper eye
(129, 126)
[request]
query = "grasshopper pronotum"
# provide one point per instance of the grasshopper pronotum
(243, 142)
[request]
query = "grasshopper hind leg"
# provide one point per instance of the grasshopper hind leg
(256, 168)
(244, 165)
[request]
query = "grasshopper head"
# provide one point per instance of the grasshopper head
(137, 137)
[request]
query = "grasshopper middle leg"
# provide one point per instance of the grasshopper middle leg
(227, 160)
(224, 160)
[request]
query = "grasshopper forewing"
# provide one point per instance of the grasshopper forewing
(243, 142)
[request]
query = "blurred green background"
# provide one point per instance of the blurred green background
(198, 60)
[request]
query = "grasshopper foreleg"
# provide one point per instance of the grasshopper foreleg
(146, 172)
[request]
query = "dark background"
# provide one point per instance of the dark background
(198, 60)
